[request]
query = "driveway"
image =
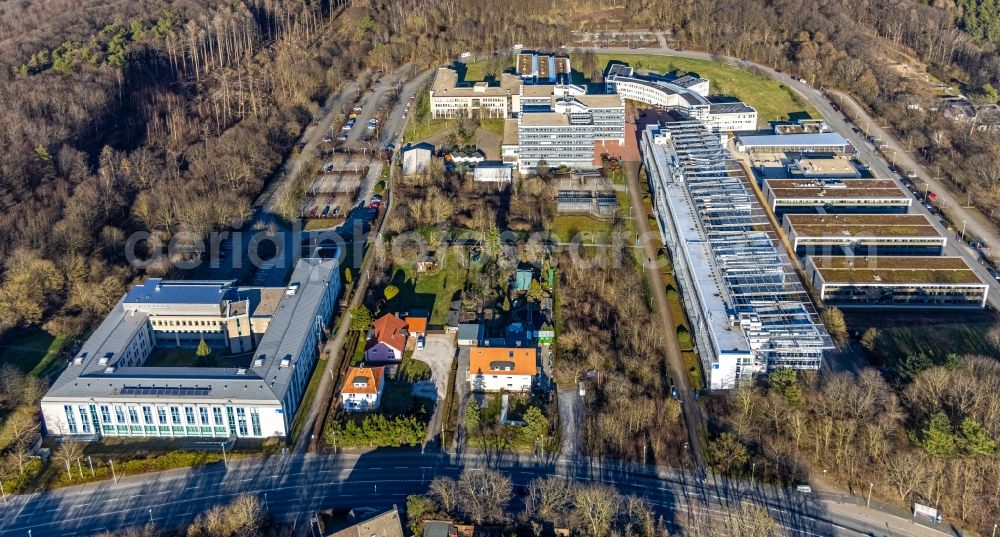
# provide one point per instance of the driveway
(570, 420)
(438, 353)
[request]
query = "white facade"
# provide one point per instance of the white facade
(159, 417)
(417, 158)
(691, 101)
(106, 390)
(493, 173)
(493, 381)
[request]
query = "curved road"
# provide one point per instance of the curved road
(293, 487)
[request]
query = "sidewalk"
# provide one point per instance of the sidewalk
(896, 525)
(949, 198)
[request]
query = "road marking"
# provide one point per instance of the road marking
(111, 500)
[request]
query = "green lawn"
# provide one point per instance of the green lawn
(432, 291)
(773, 100)
(418, 130)
(314, 224)
(413, 370)
(934, 340)
(493, 125)
(475, 71)
(571, 226)
(307, 399)
(187, 358)
(34, 353)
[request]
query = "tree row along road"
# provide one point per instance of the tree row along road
(293, 487)
(693, 417)
(978, 224)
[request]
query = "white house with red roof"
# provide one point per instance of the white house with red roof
(388, 340)
(362, 389)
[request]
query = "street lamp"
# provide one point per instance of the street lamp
(963, 230)
(113, 474)
(225, 461)
(150, 515)
(870, 487)
(265, 501)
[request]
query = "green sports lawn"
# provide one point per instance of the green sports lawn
(772, 99)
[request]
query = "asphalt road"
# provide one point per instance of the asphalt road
(977, 224)
(293, 487)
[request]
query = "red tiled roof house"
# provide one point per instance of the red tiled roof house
(388, 341)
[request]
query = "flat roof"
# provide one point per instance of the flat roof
(719, 232)
(861, 225)
(601, 100)
(288, 332)
(730, 108)
(544, 119)
(789, 140)
(509, 132)
(446, 85)
(826, 166)
(537, 90)
(895, 270)
(841, 190)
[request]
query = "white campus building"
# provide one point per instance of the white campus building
(107, 390)
(687, 95)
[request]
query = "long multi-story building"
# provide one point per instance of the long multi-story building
(108, 390)
(806, 143)
(896, 282)
(449, 99)
(749, 311)
(788, 196)
(566, 133)
(687, 95)
(863, 234)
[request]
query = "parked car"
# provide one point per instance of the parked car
(374, 205)
(326, 211)
(466, 55)
(342, 138)
(993, 272)
(420, 343)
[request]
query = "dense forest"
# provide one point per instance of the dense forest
(927, 434)
(170, 115)
(154, 116)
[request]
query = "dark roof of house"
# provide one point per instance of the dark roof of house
(385, 524)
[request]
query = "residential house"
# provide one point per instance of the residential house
(495, 369)
(388, 339)
(416, 325)
(385, 524)
(362, 389)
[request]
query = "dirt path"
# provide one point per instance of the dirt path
(693, 417)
